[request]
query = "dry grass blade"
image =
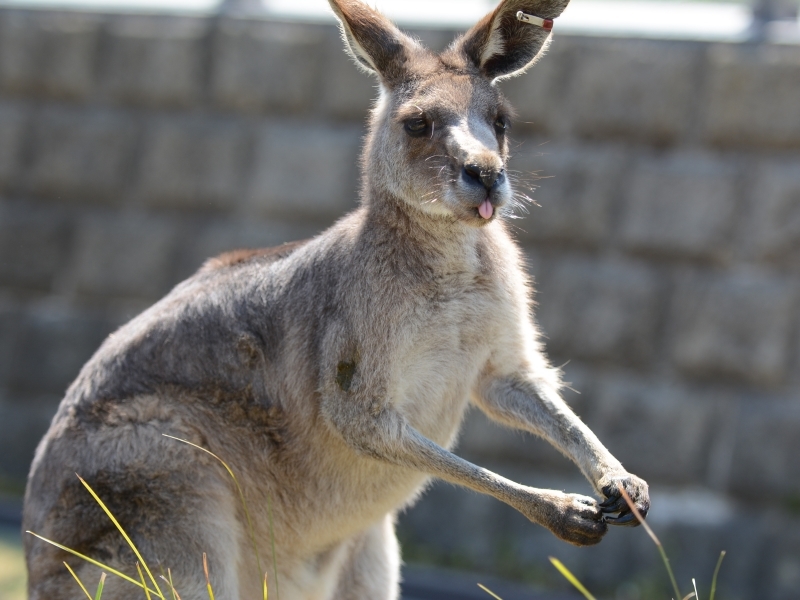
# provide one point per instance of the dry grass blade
(141, 576)
(244, 506)
(571, 578)
(488, 591)
(264, 589)
(173, 591)
(80, 583)
(101, 584)
(133, 547)
(89, 560)
(689, 596)
(272, 538)
(652, 535)
(716, 574)
(208, 579)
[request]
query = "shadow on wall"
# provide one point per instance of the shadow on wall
(666, 251)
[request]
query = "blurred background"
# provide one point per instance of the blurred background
(138, 138)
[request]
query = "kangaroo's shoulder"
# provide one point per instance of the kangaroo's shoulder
(244, 256)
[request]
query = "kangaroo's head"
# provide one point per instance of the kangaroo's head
(438, 136)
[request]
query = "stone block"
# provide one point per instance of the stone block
(599, 310)
(540, 96)
(259, 66)
(51, 53)
(641, 90)
(50, 345)
(9, 318)
(482, 440)
(24, 419)
(659, 431)
(766, 448)
(34, 244)
(13, 120)
(774, 228)
(347, 92)
(752, 95)
(682, 206)
(736, 326)
(305, 170)
(125, 256)
(574, 188)
(193, 163)
(154, 60)
(81, 154)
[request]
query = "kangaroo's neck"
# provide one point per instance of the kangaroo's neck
(436, 243)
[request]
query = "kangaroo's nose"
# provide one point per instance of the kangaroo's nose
(487, 177)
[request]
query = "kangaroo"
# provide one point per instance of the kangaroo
(331, 374)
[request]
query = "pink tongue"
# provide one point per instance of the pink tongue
(486, 209)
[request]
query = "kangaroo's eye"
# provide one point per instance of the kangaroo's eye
(416, 127)
(500, 125)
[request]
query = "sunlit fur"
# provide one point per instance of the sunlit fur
(332, 374)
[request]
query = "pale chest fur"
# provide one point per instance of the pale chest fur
(441, 356)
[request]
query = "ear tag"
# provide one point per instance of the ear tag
(546, 24)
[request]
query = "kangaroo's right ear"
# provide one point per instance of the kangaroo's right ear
(501, 45)
(375, 43)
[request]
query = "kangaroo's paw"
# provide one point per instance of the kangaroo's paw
(578, 520)
(615, 503)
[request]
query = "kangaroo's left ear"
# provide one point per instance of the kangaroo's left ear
(501, 45)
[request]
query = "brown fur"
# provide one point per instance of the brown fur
(332, 374)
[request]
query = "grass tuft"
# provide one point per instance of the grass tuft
(78, 579)
(571, 578)
(488, 591)
(574, 581)
(88, 559)
(716, 574)
(250, 527)
(128, 540)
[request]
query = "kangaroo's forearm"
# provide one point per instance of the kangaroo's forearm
(389, 437)
(540, 410)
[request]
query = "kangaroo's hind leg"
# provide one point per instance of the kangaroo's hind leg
(372, 571)
(174, 505)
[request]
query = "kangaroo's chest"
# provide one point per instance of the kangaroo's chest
(441, 358)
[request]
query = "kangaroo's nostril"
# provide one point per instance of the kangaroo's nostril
(487, 177)
(472, 173)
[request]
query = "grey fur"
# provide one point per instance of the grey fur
(332, 374)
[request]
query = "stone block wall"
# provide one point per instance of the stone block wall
(666, 252)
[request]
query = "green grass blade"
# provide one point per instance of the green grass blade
(716, 573)
(265, 586)
(652, 535)
(571, 578)
(488, 591)
(244, 504)
(101, 585)
(133, 547)
(144, 583)
(87, 559)
(80, 583)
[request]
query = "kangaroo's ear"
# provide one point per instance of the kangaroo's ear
(501, 45)
(373, 41)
